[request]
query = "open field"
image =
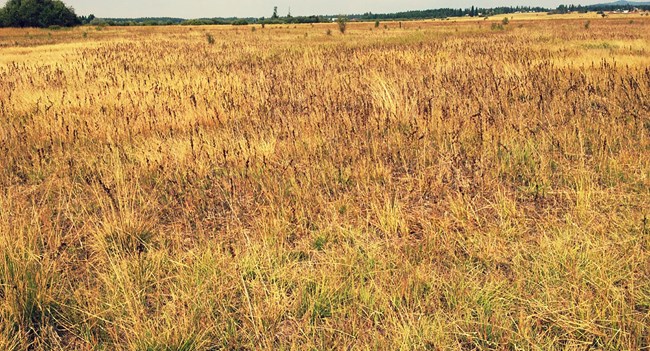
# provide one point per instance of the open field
(444, 185)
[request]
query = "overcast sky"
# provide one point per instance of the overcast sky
(259, 8)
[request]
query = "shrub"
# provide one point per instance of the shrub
(42, 13)
(210, 38)
(342, 22)
(505, 21)
(98, 22)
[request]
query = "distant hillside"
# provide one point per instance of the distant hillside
(622, 3)
(611, 6)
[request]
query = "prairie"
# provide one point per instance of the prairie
(425, 185)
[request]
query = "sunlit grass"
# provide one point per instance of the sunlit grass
(442, 185)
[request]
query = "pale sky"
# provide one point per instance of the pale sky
(259, 8)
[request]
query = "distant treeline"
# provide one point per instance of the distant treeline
(46, 13)
(142, 21)
(407, 15)
(599, 7)
(165, 21)
(447, 12)
(402, 16)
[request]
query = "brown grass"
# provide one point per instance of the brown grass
(440, 186)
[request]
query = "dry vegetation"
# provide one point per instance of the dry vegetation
(440, 186)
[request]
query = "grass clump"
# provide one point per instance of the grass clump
(210, 38)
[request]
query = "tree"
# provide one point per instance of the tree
(37, 13)
(87, 20)
(275, 13)
(562, 9)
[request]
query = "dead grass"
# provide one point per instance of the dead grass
(440, 186)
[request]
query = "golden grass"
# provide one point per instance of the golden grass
(439, 186)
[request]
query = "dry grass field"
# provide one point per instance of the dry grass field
(446, 185)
